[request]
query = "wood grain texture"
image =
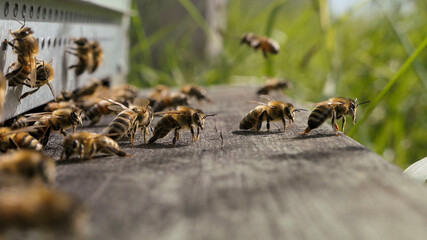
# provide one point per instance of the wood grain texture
(239, 185)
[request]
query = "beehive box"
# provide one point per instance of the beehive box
(55, 24)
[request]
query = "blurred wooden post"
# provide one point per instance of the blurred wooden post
(216, 17)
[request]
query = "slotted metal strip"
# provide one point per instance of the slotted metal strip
(55, 23)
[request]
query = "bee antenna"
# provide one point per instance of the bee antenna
(210, 115)
(363, 102)
(300, 109)
(22, 24)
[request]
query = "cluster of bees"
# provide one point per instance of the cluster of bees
(23, 142)
(335, 108)
(27, 198)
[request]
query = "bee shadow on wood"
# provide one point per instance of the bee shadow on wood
(250, 133)
(161, 145)
(76, 159)
(314, 135)
(316, 156)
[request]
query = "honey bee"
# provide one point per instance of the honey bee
(158, 93)
(335, 108)
(129, 119)
(171, 101)
(267, 45)
(182, 118)
(195, 91)
(26, 47)
(58, 120)
(98, 55)
(86, 144)
(34, 206)
(272, 111)
(273, 84)
(44, 76)
(2, 94)
(29, 164)
(18, 139)
(97, 111)
(83, 52)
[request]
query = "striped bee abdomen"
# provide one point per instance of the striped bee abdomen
(250, 120)
(97, 111)
(319, 115)
(121, 124)
(25, 140)
(163, 127)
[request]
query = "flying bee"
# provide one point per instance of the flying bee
(18, 139)
(86, 144)
(98, 55)
(182, 118)
(58, 120)
(272, 111)
(171, 101)
(2, 94)
(267, 45)
(195, 91)
(44, 76)
(26, 47)
(335, 108)
(37, 207)
(129, 119)
(273, 84)
(83, 51)
(29, 164)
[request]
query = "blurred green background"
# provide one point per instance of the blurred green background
(354, 48)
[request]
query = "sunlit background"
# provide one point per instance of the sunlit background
(352, 48)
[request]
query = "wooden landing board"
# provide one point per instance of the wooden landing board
(240, 185)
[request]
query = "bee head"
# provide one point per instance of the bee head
(23, 32)
(70, 146)
(199, 118)
(81, 41)
(76, 116)
(289, 112)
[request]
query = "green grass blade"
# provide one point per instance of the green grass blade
(390, 84)
(195, 14)
(268, 29)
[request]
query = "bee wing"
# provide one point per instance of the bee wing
(266, 97)
(327, 103)
(167, 112)
(274, 44)
(258, 103)
(24, 129)
(116, 105)
(37, 115)
(33, 73)
(255, 43)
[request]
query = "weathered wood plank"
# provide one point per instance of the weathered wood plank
(241, 185)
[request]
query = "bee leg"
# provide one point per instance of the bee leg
(143, 132)
(45, 137)
(284, 123)
(192, 134)
(62, 155)
(81, 152)
(72, 53)
(260, 118)
(27, 94)
(176, 136)
(334, 124)
(63, 132)
(343, 124)
(264, 53)
(198, 134)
